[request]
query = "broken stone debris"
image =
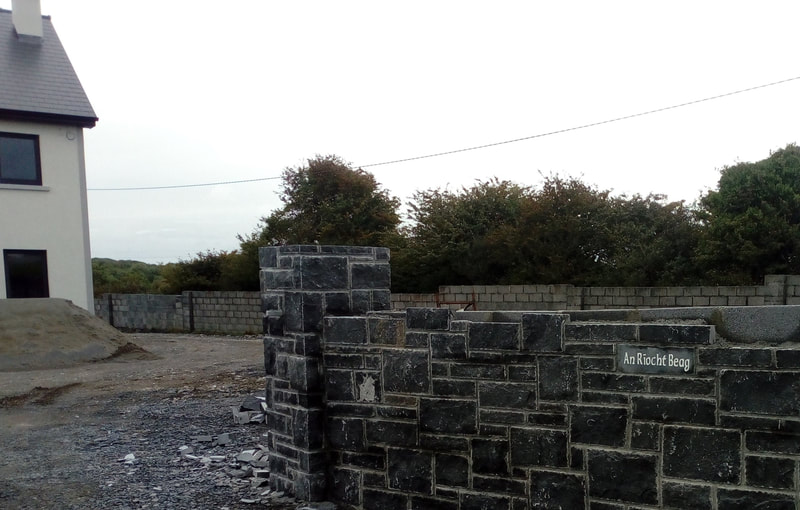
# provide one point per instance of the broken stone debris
(251, 410)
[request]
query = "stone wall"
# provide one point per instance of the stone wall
(777, 290)
(432, 409)
(233, 313)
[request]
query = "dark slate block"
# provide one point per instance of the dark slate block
(307, 428)
(337, 303)
(375, 480)
(599, 425)
(304, 373)
(507, 395)
(410, 470)
(312, 312)
(669, 334)
(428, 318)
(323, 273)
(682, 385)
(273, 279)
(449, 345)
(613, 382)
(498, 485)
(558, 378)
(601, 332)
(674, 410)
(381, 300)
(346, 486)
(443, 443)
(447, 416)
(392, 433)
(345, 434)
(538, 447)
(371, 275)
(749, 500)
(502, 417)
(361, 301)
(548, 419)
(644, 436)
(477, 370)
(711, 455)
(343, 360)
(293, 311)
(597, 364)
(587, 349)
(543, 332)
(774, 393)
(422, 503)
(522, 373)
(451, 388)
(452, 470)
(345, 330)
(385, 331)
(490, 456)
(770, 472)
(339, 385)
(484, 502)
(493, 335)
(736, 357)
(686, 497)
(623, 477)
(406, 371)
(268, 256)
(382, 499)
(773, 442)
(417, 339)
(366, 460)
(788, 358)
(557, 491)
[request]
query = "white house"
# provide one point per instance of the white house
(44, 225)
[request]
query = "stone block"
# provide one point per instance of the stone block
(711, 455)
(731, 499)
(543, 332)
(304, 373)
(453, 388)
(345, 330)
(601, 332)
(507, 395)
(410, 470)
(428, 318)
(674, 410)
(386, 331)
(406, 371)
(623, 477)
(452, 470)
(339, 385)
(490, 456)
(346, 486)
(613, 382)
(735, 357)
(598, 425)
(773, 442)
(493, 335)
(770, 472)
(427, 503)
(645, 436)
(484, 502)
(538, 447)
(346, 434)
(372, 498)
(558, 378)
(670, 334)
(758, 392)
(372, 275)
(447, 416)
(686, 497)
(323, 273)
(557, 491)
(392, 433)
(788, 358)
(448, 346)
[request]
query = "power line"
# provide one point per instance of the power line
(485, 146)
(184, 185)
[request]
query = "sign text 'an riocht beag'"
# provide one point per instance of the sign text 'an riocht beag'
(654, 360)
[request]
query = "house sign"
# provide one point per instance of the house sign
(654, 360)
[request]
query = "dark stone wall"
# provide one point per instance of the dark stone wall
(425, 409)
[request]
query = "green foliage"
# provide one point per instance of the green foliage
(212, 270)
(752, 220)
(329, 202)
(124, 277)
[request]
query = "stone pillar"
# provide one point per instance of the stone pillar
(300, 284)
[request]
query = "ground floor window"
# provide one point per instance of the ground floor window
(26, 273)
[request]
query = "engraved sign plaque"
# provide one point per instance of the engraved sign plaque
(654, 360)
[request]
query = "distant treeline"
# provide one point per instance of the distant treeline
(500, 232)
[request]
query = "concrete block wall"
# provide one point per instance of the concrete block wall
(141, 312)
(428, 410)
(301, 285)
(777, 290)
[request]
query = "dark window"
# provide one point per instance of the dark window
(26, 273)
(19, 159)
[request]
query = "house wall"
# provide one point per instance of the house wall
(54, 216)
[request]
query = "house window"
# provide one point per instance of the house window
(26, 273)
(19, 159)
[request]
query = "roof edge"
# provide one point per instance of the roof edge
(48, 118)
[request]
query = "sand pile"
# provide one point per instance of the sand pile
(50, 333)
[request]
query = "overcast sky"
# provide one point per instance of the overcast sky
(192, 92)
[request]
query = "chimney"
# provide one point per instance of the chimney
(27, 18)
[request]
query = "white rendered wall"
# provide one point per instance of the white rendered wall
(53, 217)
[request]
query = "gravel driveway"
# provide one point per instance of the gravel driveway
(114, 434)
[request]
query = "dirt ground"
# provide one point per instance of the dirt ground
(65, 431)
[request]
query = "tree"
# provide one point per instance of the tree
(752, 220)
(329, 202)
